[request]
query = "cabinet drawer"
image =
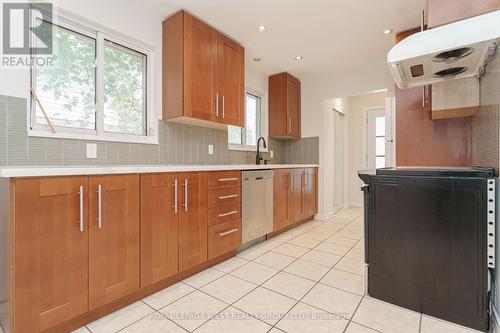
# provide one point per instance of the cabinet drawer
(224, 195)
(224, 213)
(224, 178)
(223, 238)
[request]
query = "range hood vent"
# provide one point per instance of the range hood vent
(453, 51)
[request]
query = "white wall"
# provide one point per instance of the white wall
(355, 107)
(318, 95)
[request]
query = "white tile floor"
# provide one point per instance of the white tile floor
(309, 279)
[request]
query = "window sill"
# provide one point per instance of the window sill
(247, 148)
(153, 140)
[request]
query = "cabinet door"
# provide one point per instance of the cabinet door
(114, 237)
(281, 197)
(51, 252)
(159, 227)
(192, 219)
(200, 51)
(293, 106)
(296, 202)
(310, 194)
(230, 69)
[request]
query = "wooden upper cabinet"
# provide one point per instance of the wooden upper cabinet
(203, 73)
(284, 106)
(230, 81)
(51, 252)
(113, 237)
(200, 46)
(193, 221)
(159, 227)
(442, 12)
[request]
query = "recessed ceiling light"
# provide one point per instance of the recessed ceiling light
(387, 31)
(261, 28)
(257, 59)
(299, 57)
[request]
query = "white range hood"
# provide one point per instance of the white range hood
(456, 50)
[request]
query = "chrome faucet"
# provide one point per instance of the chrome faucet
(258, 158)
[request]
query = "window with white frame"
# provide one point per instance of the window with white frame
(246, 138)
(96, 88)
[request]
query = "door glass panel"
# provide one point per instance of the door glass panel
(380, 162)
(380, 126)
(380, 146)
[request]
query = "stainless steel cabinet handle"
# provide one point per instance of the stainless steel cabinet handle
(228, 196)
(290, 124)
(221, 234)
(185, 195)
(175, 196)
(217, 105)
(227, 179)
(99, 206)
(81, 208)
(223, 106)
(228, 213)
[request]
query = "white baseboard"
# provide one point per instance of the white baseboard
(325, 216)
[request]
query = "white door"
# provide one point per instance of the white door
(375, 138)
(339, 154)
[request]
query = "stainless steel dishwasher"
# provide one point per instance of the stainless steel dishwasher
(257, 197)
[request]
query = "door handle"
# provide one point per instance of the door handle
(290, 124)
(185, 195)
(223, 106)
(221, 234)
(228, 196)
(175, 196)
(99, 206)
(227, 179)
(81, 208)
(217, 105)
(228, 213)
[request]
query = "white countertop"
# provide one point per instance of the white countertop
(11, 172)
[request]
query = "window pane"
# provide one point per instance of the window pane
(380, 146)
(380, 162)
(67, 88)
(380, 126)
(124, 90)
(252, 119)
(234, 135)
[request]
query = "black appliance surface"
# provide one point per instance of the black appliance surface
(426, 240)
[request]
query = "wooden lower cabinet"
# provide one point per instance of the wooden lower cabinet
(281, 198)
(192, 219)
(113, 238)
(159, 227)
(310, 191)
(83, 245)
(223, 238)
(295, 196)
(296, 201)
(50, 252)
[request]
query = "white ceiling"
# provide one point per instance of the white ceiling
(332, 35)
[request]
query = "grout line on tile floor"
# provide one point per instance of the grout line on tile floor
(262, 283)
(318, 283)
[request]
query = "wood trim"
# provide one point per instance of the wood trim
(454, 113)
(135, 296)
(173, 73)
